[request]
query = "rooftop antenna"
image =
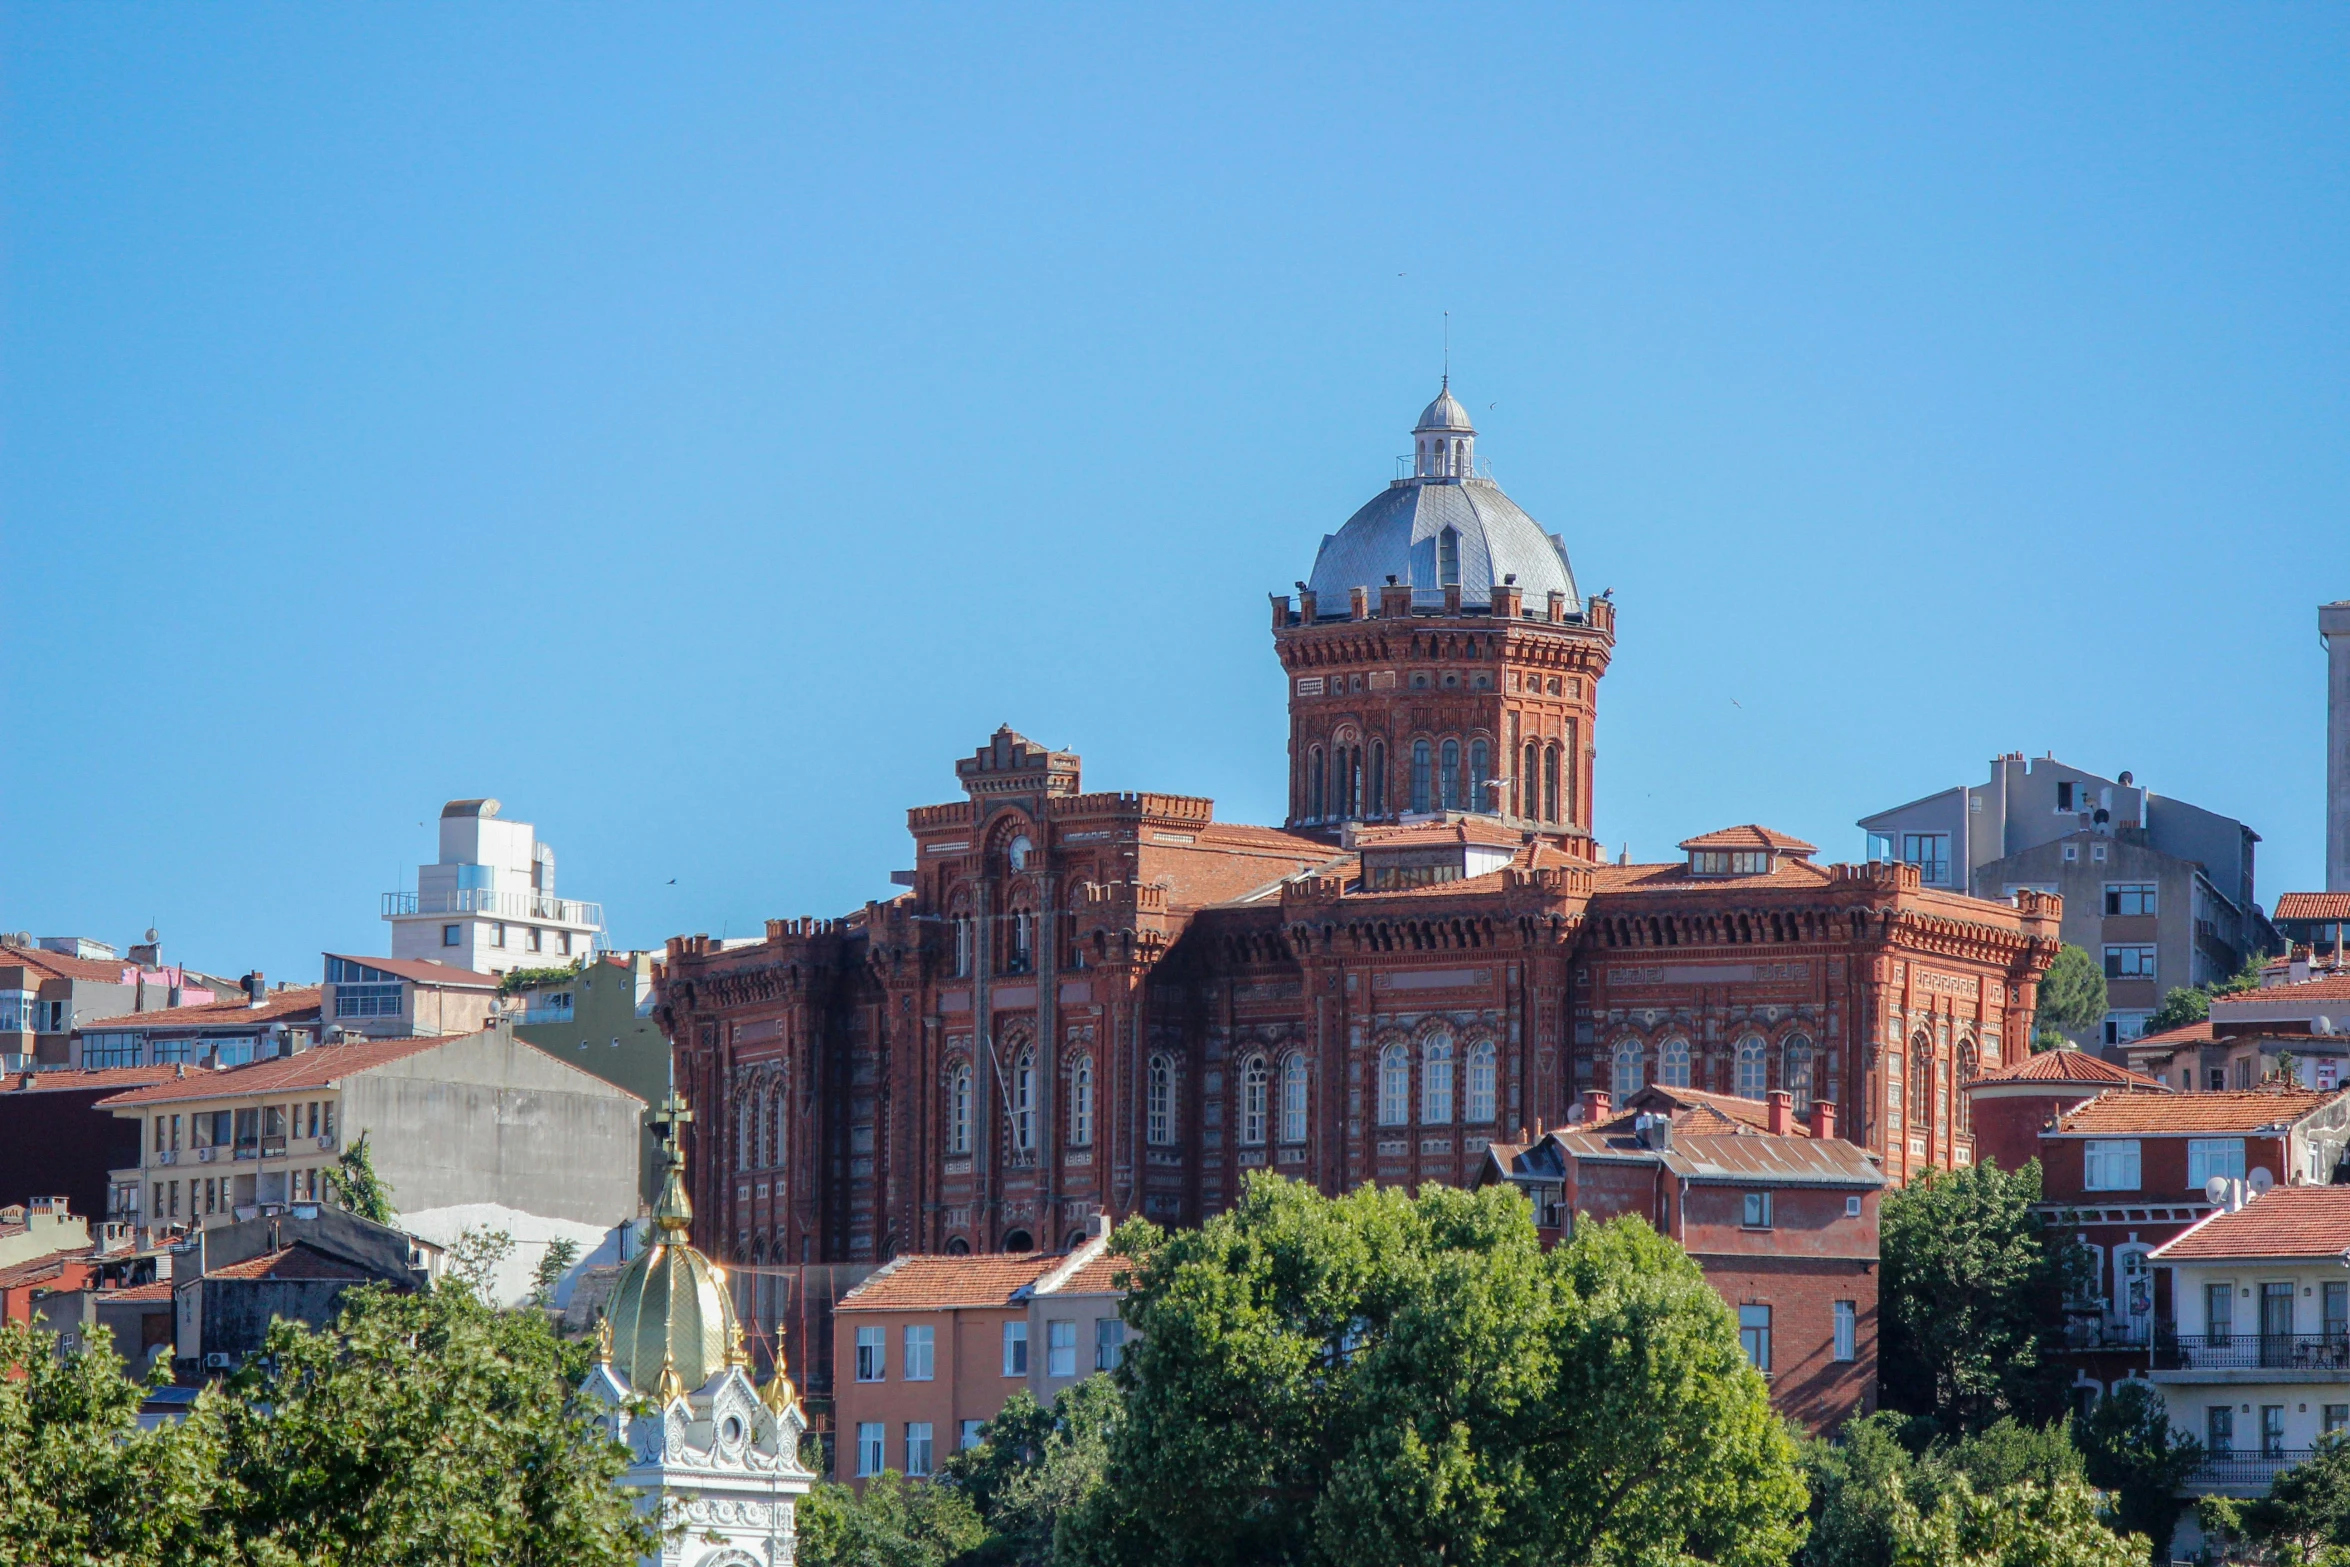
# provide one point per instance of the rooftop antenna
(1447, 385)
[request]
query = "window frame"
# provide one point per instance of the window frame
(2098, 1153)
(1016, 1347)
(1844, 1330)
(872, 1363)
(2202, 1150)
(1754, 1210)
(1754, 1334)
(918, 1353)
(1060, 1347)
(872, 1448)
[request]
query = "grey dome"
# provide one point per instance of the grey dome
(1444, 414)
(1397, 533)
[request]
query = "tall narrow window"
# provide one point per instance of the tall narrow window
(1480, 769)
(1378, 778)
(1672, 1063)
(1452, 775)
(1254, 1091)
(1626, 1072)
(1420, 775)
(1567, 778)
(746, 1126)
(1081, 1102)
(1436, 1081)
(1481, 1082)
(1159, 1117)
(1395, 1086)
(775, 1126)
(1753, 1067)
(959, 1108)
(1795, 1074)
(1448, 558)
(1550, 783)
(1293, 1097)
(1530, 775)
(1314, 788)
(1024, 1102)
(962, 945)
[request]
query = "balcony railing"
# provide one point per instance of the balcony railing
(2254, 1351)
(498, 905)
(537, 1013)
(273, 1147)
(2254, 1470)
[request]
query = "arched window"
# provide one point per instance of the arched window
(958, 1247)
(1448, 558)
(1452, 775)
(1530, 781)
(1625, 1075)
(1420, 775)
(1672, 1063)
(1921, 1084)
(1081, 1102)
(1395, 1086)
(1293, 1097)
(1480, 1106)
(1753, 1067)
(959, 1108)
(1314, 795)
(1965, 1109)
(1378, 778)
(1795, 1072)
(1254, 1092)
(1567, 777)
(746, 1113)
(1159, 1117)
(1436, 1080)
(1550, 783)
(962, 945)
(1480, 769)
(1024, 1102)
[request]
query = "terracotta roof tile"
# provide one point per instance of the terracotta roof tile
(289, 1002)
(2312, 906)
(1097, 1276)
(2334, 987)
(2291, 1221)
(425, 971)
(312, 1068)
(106, 971)
(1752, 835)
(2186, 1115)
(1421, 835)
(937, 1283)
(2195, 1033)
(57, 1080)
(289, 1262)
(1673, 876)
(41, 1269)
(2070, 1066)
(137, 1294)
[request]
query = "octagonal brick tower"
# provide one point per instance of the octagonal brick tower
(1440, 660)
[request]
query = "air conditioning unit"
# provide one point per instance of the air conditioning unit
(168, 1156)
(216, 1361)
(326, 1142)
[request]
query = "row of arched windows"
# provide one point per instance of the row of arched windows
(1448, 776)
(1022, 1102)
(1348, 782)
(758, 1127)
(1477, 1101)
(1632, 1066)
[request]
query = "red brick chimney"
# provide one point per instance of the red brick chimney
(1779, 1116)
(1823, 1118)
(1596, 1105)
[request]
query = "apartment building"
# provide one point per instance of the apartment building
(2159, 891)
(258, 1024)
(600, 1019)
(2251, 1035)
(52, 987)
(54, 1141)
(488, 903)
(392, 998)
(927, 1350)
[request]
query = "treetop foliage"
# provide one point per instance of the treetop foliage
(2072, 992)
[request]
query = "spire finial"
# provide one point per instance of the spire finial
(603, 1340)
(672, 1386)
(1447, 383)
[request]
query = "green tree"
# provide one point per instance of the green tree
(1035, 1466)
(2024, 1525)
(2305, 1517)
(1969, 1279)
(2132, 1450)
(547, 1277)
(2072, 992)
(476, 1256)
(80, 1482)
(424, 1429)
(1860, 1481)
(357, 1186)
(894, 1524)
(2180, 1006)
(1382, 1378)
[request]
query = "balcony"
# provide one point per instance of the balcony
(547, 1012)
(2244, 1474)
(2325, 1354)
(496, 905)
(273, 1147)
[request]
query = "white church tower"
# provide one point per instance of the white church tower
(716, 1459)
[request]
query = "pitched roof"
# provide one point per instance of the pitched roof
(1424, 835)
(280, 1004)
(41, 1269)
(1742, 1155)
(1696, 1107)
(2290, 1221)
(137, 1294)
(2186, 1115)
(425, 971)
(106, 971)
(2312, 906)
(2069, 1066)
(56, 1080)
(1753, 835)
(2334, 987)
(1098, 1275)
(1673, 876)
(938, 1283)
(2195, 1033)
(313, 1068)
(289, 1262)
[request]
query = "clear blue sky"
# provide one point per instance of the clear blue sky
(699, 425)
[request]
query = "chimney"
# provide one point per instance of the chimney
(1307, 605)
(1358, 603)
(1452, 599)
(1596, 1104)
(1280, 612)
(256, 988)
(1779, 1114)
(1395, 600)
(1558, 607)
(1823, 1118)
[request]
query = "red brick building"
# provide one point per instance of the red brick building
(1089, 1002)
(2015, 1104)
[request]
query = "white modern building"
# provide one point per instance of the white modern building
(489, 904)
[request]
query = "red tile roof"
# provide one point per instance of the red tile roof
(41, 1269)
(1096, 1276)
(425, 971)
(106, 971)
(280, 1004)
(1699, 1111)
(1751, 836)
(938, 1283)
(2312, 906)
(2291, 1221)
(137, 1294)
(1423, 835)
(2334, 987)
(2196, 1033)
(1673, 876)
(2186, 1115)
(55, 1080)
(313, 1068)
(290, 1262)
(2069, 1066)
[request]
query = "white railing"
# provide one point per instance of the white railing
(548, 1014)
(499, 905)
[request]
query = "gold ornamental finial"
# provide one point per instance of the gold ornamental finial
(673, 1213)
(736, 1353)
(779, 1395)
(672, 1386)
(603, 1341)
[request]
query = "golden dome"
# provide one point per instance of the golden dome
(670, 1318)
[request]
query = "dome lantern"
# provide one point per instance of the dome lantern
(1444, 442)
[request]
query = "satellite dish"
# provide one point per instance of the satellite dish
(2215, 1190)
(2260, 1180)
(153, 936)
(2322, 1025)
